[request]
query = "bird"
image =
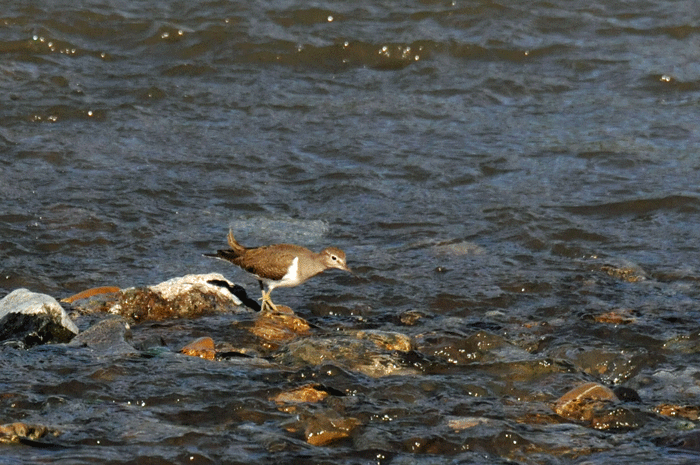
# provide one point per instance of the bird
(280, 265)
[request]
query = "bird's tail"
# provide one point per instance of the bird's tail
(235, 246)
(234, 252)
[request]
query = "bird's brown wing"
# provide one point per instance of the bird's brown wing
(271, 262)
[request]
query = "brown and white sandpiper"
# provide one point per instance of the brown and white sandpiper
(280, 265)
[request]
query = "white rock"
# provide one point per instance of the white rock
(174, 287)
(32, 303)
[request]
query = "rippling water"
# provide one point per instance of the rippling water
(490, 166)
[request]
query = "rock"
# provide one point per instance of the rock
(328, 426)
(616, 317)
(684, 343)
(691, 412)
(459, 248)
(411, 317)
(16, 432)
(362, 356)
(108, 336)
(152, 345)
(190, 296)
(611, 366)
(388, 340)
(202, 347)
(482, 346)
(307, 393)
(584, 402)
(460, 423)
(31, 319)
(627, 394)
(90, 293)
(688, 441)
(280, 326)
(176, 287)
(624, 270)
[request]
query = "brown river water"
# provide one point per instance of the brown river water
(516, 186)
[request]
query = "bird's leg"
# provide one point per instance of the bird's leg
(265, 297)
(267, 302)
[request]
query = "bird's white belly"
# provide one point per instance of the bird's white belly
(290, 279)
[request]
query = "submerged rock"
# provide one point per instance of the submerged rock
(482, 346)
(598, 406)
(459, 247)
(616, 317)
(360, 355)
(687, 441)
(389, 340)
(460, 423)
(691, 412)
(32, 319)
(320, 426)
(581, 402)
(624, 270)
(328, 426)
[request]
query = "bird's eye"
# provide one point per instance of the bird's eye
(333, 257)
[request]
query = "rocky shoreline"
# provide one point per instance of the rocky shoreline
(318, 412)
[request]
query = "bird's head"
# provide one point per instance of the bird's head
(333, 257)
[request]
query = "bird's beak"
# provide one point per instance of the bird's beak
(342, 266)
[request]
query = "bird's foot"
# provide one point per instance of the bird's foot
(267, 303)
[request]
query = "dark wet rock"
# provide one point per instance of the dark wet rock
(189, 296)
(618, 419)
(30, 330)
(17, 432)
(152, 344)
(202, 347)
(688, 441)
(31, 319)
(109, 336)
(627, 394)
